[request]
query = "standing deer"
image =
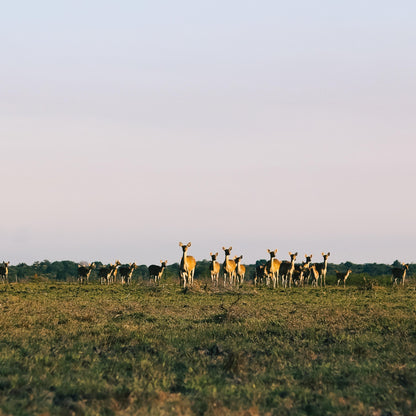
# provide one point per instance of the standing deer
(260, 274)
(342, 276)
(322, 269)
(302, 271)
(156, 271)
(314, 275)
(286, 270)
(126, 272)
(187, 266)
(398, 273)
(114, 271)
(84, 272)
(106, 273)
(214, 269)
(4, 271)
(228, 267)
(240, 270)
(272, 268)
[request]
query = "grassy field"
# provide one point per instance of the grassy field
(112, 350)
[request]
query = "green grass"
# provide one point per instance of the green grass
(112, 350)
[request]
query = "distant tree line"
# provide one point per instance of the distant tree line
(66, 271)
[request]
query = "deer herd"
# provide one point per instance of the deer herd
(273, 273)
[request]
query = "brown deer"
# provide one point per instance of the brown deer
(156, 271)
(314, 275)
(398, 273)
(272, 268)
(240, 270)
(126, 272)
(4, 271)
(322, 268)
(187, 266)
(84, 272)
(214, 269)
(342, 276)
(286, 270)
(228, 267)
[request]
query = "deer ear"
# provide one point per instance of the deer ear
(230, 248)
(210, 253)
(290, 253)
(329, 253)
(323, 254)
(223, 248)
(180, 244)
(241, 256)
(268, 250)
(275, 252)
(161, 261)
(296, 253)
(189, 244)
(216, 254)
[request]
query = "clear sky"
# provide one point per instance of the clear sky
(128, 126)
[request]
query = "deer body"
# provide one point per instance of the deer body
(399, 273)
(302, 271)
(214, 269)
(322, 269)
(228, 266)
(187, 266)
(126, 272)
(84, 272)
(286, 270)
(156, 271)
(260, 274)
(240, 270)
(272, 267)
(4, 271)
(107, 273)
(342, 276)
(314, 275)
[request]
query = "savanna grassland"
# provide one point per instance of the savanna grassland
(116, 350)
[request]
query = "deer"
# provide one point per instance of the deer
(126, 272)
(287, 268)
(214, 269)
(113, 276)
(302, 271)
(228, 266)
(322, 268)
(84, 272)
(260, 274)
(398, 273)
(187, 266)
(272, 268)
(240, 270)
(4, 271)
(156, 271)
(342, 276)
(106, 273)
(314, 275)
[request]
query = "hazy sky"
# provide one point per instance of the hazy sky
(128, 126)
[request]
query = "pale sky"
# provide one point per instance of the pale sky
(128, 126)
